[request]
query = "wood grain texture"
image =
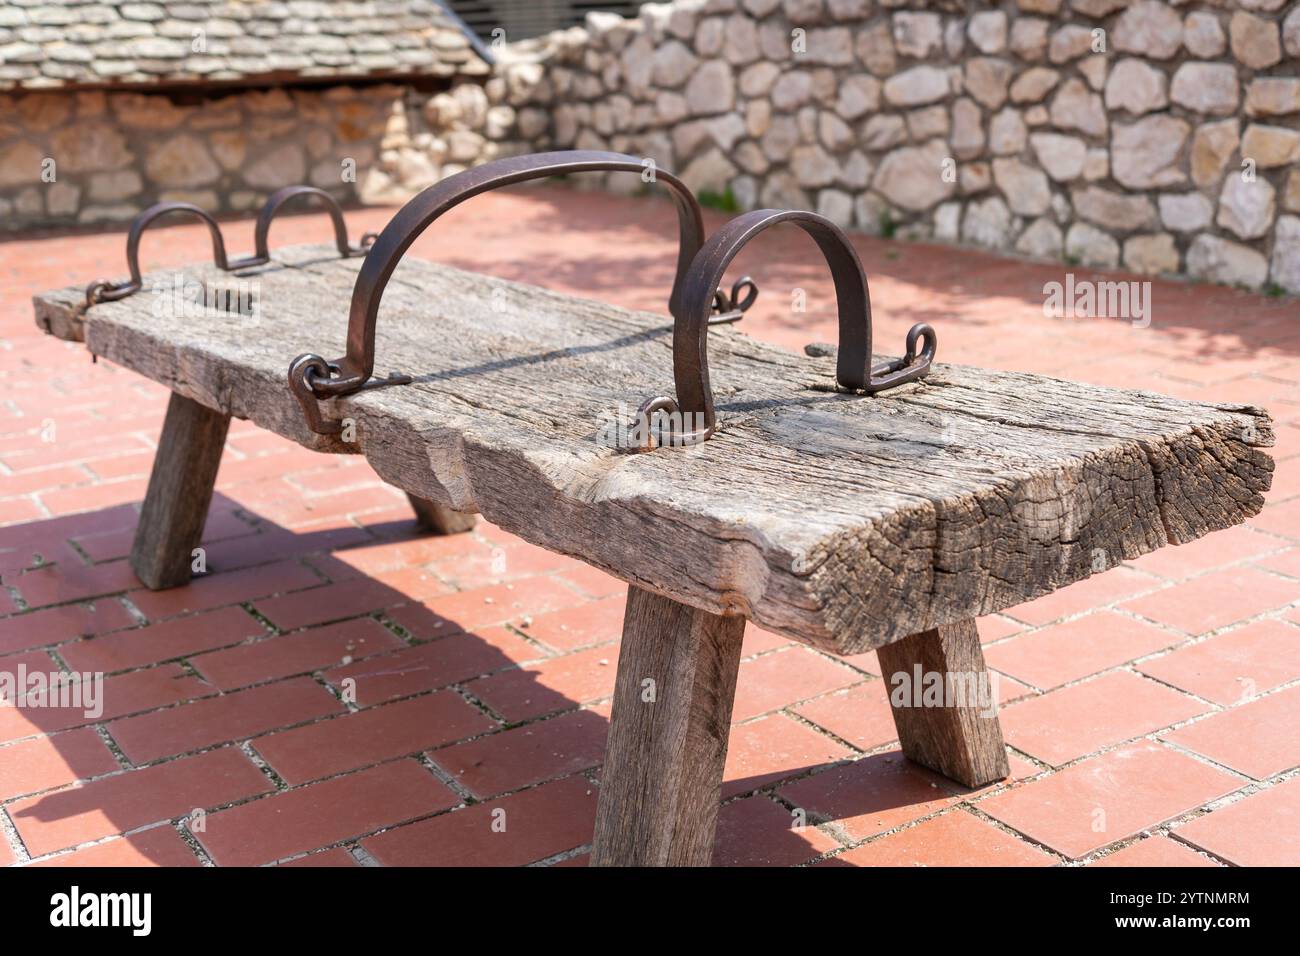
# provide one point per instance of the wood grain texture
(662, 780)
(180, 491)
(961, 739)
(436, 519)
(847, 521)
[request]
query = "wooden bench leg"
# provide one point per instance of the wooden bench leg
(662, 782)
(180, 491)
(437, 519)
(958, 733)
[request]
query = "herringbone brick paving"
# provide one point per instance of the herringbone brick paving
(1153, 711)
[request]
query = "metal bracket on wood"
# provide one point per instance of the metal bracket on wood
(103, 290)
(691, 414)
(276, 201)
(313, 378)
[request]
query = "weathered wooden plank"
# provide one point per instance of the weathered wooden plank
(944, 703)
(843, 520)
(180, 491)
(662, 780)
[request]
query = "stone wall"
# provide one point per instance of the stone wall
(1160, 136)
(69, 157)
(1163, 137)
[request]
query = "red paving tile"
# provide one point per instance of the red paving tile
(329, 554)
(1104, 588)
(1262, 829)
(497, 564)
(1071, 722)
(1060, 653)
(124, 694)
(568, 630)
(1287, 562)
(951, 839)
(1282, 518)
(371, 736)
(41, 763)
(160, 846)
(63, 583)
(510, 831)
(1229, 546)
(862, 716)
(502, 603)
(1232, 667)
(773, 748)
(526, 755)
(1154, 851)
(551, 685)
(1105, 799)
(217, 720)
(757, 641)
(135, 799)
(315, 816)
(994, 627)
(330, 602)
(58, 624)
(181, 637)
(449, 660)
(869, 796)
(1215, 600)
(772, 681)
(592, 582)
(225, 587)
(1260, 738)
(317, 649)
(758, 831)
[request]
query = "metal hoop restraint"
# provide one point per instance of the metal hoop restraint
(274, 203)
(104, 291)
(351, 373)
(853, 371)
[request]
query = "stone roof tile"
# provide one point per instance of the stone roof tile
(46, 44)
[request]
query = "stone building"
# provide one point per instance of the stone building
(1161, 136)
(107, 107)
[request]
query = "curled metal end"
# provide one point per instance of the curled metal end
(313, 378)
(363, 246)
(732, 307)
(910, 367)
(95, 291)
(659, 422)
(101, 290)
(305, 373)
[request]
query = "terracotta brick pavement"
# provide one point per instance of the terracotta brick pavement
(338, 690)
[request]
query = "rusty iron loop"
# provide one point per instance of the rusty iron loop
(731, 308)
(357, 366)
(275, 202)
(853, 364)
(304, 372)
(104, 291)
(643, 425)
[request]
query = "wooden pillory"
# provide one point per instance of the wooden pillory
(844, 519)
